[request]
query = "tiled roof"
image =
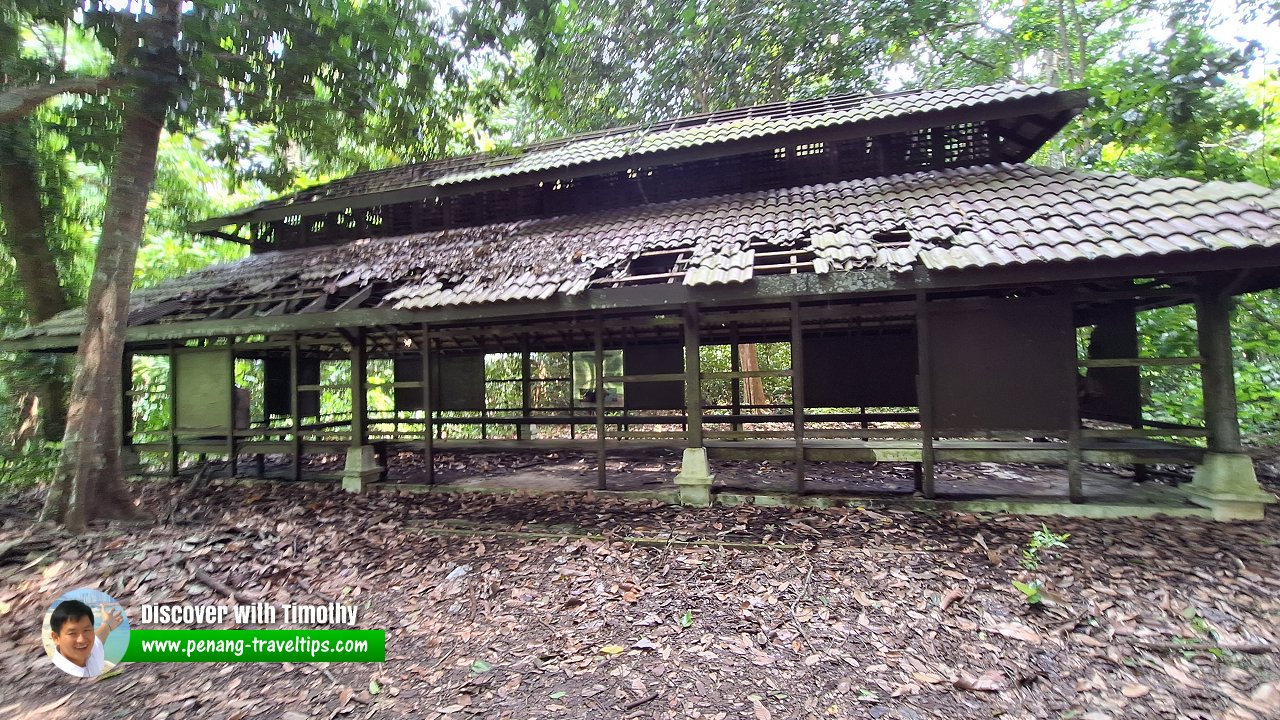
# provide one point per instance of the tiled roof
(762, 121)
(775, 119)
(1006, 215)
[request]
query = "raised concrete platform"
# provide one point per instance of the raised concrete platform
(667, 476)
(1124, 499)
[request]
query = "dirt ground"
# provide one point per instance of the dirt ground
(581, 607)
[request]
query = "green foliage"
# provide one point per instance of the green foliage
(608, 63)
(1042, 540)
(28, 466)
(1030, 591)
(1177, 110)
(1173, 394)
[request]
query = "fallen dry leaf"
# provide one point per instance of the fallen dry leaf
(1018, 631)
(951, 596)
(1087, 640)
(906, 689)
(1182, 677)
(1135, 690)
(988, 681)
(1264, 699)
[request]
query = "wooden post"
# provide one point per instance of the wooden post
(524, 431)
(599, 373)
(359, 389)
(231, 422)
(692, 377)
(1075, 490)
(173, 412)
(294, 405)
(1217, 374)
(126, 400)
(797, 393)
(428, 431)
(924, 391)
(735, 365)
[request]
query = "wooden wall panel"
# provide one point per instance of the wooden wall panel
(204, 381)
(860, 370)
(1002, 364)
(654, 360)
(458, 383)
(276, 386)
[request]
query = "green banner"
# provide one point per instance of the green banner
(256, 646)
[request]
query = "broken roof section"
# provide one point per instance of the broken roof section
(1029, 116)
(1005, 216)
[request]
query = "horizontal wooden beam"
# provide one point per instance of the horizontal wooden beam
(662, 377)
(1144, 433)
(1138, 362)
(734, 375)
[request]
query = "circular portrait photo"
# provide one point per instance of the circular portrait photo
(85, 632)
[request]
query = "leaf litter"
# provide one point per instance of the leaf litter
(576, 606)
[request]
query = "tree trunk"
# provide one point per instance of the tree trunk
(27, 242)
(1082, 63)
(1066, 70)
(90, 481)
(26, 238)
(753, 387)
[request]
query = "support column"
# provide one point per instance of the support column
(359, 389)
(601, 452)
(130, 462)
(173, 412)
(1075, 484)
(235, 410)
(428, 429)
(924, 393)
(1114, 393)
(735, 365)
(797, 394)
(524, 431)
(294, 405)
(1225, 482)
(362, 462)
(695, 478)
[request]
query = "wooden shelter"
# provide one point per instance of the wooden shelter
(930, 286)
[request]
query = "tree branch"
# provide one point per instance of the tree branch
(17, 102)
(976, 61)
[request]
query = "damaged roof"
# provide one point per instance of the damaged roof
(945, 220)
(641, 144)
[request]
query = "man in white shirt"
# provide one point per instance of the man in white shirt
(77, 646)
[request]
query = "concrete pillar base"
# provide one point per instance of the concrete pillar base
(1227, 484)
(695, 478)
(362, 468)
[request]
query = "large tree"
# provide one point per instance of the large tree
(89, 481)
(343, 83)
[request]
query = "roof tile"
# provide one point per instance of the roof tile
(1030, 215)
